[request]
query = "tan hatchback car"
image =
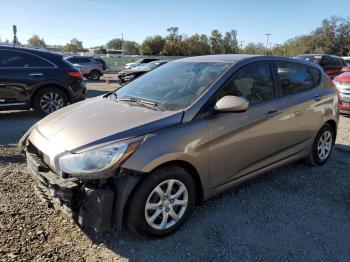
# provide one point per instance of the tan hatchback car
(144, 155)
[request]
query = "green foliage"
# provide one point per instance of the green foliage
(74, 46)
(130, 48)
(152, 45)
(35, 41)
(332, 37)
(115, 44)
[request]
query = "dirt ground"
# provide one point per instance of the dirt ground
(294, 213)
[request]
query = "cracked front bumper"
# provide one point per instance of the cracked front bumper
(89, 204)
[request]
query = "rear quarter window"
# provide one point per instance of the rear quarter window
(14, 59)
(294, 78)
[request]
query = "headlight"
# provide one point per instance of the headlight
(97, 160)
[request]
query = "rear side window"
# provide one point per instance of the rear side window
(293, 77)
(14, 59)
(253, 82)
(316, 75)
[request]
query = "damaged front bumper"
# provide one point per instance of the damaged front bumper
(98, 204)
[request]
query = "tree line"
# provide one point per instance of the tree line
(331, 37)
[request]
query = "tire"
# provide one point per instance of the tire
(316, 158)
(54, 95)
(168, 208)
(95, 75)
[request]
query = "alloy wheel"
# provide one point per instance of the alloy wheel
(166, 204)
(324, 145)
(51, 102)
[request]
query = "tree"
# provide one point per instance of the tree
(196, 45)
(152, 45)
(130, 48)
(115, 44)
(35, 41)
(216, 41)
(173, 43)
(255, 49)
(74, 46)
(230, 42)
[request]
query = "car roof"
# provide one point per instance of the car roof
(306, 55)
(235, 58)
(36, 51)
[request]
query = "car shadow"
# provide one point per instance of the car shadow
(14, 124)
(276, 216)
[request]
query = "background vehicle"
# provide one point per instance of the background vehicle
(140, 62)
(342, 83)
(347, 60)
(130, 74)
(332, 65)
(31, 78)
(90, 67)
(184, 132)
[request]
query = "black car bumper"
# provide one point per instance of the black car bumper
(80, 93)
(98, 204)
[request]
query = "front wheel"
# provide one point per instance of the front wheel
(162, 202)
(322, 146)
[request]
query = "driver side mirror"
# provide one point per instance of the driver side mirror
(231, 104)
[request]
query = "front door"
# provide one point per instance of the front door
(243, 142)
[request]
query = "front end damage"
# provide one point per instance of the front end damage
(98, 204)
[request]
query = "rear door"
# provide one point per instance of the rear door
(19, 72)
(84, 64)
(244, 142)
(301, 102)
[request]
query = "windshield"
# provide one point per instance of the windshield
(148, 66)
(175, 85)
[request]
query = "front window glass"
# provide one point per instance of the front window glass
(253, 82)
(175, 85)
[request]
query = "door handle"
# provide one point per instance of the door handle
(273, 112)
(317, 97)
(36, 74)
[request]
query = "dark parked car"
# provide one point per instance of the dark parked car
(130, 74)
(332, 65)
(33, 78)
(90, 67)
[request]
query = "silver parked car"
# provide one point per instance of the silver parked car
(143, 156)
(90, 67)
(140, 62)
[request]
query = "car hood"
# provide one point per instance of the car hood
(102, 120)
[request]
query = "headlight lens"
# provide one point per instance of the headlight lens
(96, 160)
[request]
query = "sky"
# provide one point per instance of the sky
(95, 22)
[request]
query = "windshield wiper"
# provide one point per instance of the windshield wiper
(109, 94)
(140, 102)
(149, 104)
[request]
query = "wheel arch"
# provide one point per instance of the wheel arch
(187, 166)
(333, 124)
(52, 85)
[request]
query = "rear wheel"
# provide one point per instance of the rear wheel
(95, 75)
(322, 146)
(162, 202)
(49, 100)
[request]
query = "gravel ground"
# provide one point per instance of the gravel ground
(294, 213)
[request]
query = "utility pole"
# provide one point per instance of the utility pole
(267, 41)
(122, 44)
(241, 42)
(15, 40)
